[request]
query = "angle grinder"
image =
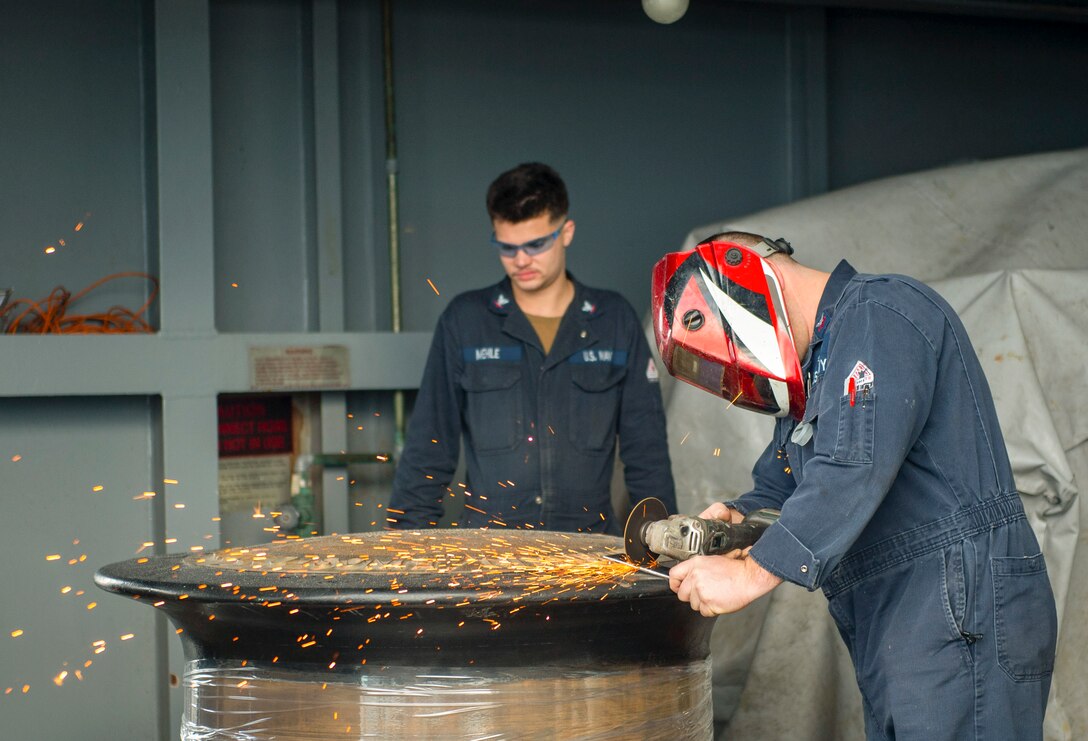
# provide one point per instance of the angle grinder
(652, 533)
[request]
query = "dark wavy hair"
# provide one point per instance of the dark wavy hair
(525, 192)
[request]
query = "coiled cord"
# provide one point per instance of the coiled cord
(50, 315)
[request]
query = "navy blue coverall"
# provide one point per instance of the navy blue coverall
(898, 500)
(540, 431)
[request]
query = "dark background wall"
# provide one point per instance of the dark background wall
(912, 91)
(736, 107)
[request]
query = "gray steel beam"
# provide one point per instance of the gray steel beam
(187, 267)
(184, 365)
(330, 245)
(327, 180)
(184, 119)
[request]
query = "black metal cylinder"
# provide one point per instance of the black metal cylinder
(370, 613)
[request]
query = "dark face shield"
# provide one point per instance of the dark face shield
(744, 389)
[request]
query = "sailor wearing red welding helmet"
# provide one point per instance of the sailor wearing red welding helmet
(888, 465)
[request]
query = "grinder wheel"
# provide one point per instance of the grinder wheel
(650, 509)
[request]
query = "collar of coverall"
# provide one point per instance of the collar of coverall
(586, 303)
(836, 284)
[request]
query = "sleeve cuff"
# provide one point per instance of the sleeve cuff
(778, 551)
(740, 506)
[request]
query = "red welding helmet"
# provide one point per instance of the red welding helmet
(720, 323)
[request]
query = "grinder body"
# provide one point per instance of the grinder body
(651, 533)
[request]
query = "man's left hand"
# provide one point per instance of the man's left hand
(716, 585)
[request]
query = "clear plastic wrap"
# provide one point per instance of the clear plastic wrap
(232, 701)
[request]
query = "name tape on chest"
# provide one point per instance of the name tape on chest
(492, 353)
(599, 355)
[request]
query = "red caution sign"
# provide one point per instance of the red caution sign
(254, 425)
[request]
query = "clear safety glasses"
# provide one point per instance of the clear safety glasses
(532, 247)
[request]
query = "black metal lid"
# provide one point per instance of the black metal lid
(411, 598)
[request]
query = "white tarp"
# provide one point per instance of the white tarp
(1005, 243)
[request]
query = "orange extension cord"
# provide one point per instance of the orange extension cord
(50, 315)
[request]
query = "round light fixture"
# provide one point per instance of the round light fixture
(665, 11)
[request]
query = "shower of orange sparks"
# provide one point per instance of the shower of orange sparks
(531, 564)
(431, 284)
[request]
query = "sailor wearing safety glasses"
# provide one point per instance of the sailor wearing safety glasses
(540, 376)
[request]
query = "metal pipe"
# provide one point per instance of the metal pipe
(391, 199)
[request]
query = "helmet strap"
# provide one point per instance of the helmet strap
(774, 246)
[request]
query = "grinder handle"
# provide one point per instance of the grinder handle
(723, 536)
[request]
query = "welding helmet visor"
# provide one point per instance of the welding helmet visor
(720, 324)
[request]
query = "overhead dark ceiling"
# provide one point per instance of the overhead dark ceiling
(1067, 10)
